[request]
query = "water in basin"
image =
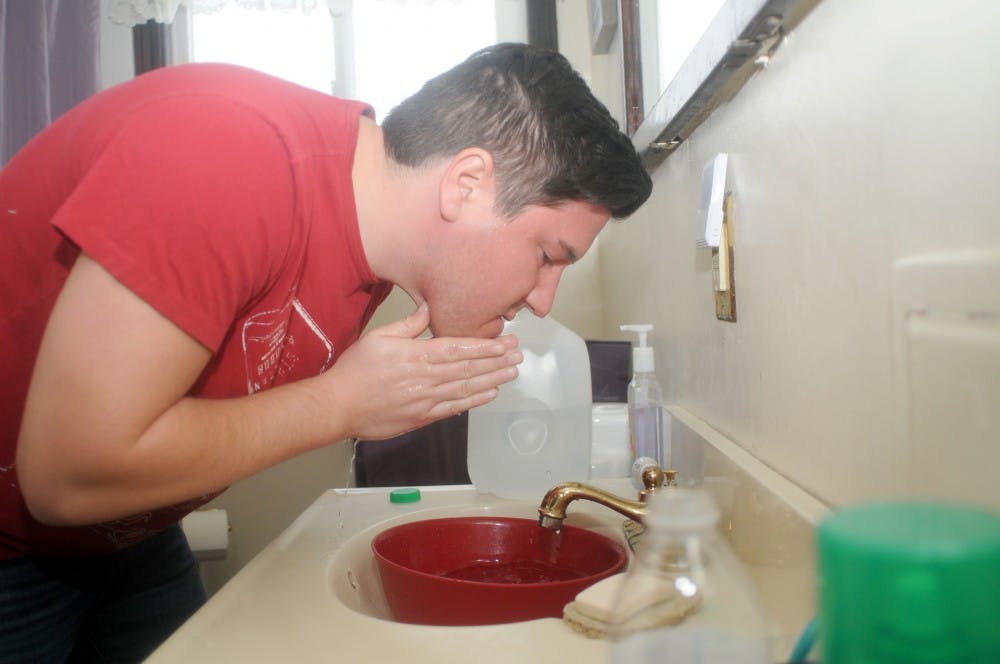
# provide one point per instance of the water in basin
(519, 571)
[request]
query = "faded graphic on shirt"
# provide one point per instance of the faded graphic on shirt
(126, 531)
(276, 342)
(133, 529)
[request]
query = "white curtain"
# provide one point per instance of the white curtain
(49, 61)
(134, 12)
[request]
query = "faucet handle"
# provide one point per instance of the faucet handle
(670, 477)
(654, 478)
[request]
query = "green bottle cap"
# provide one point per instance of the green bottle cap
(408, 495)
(910, 582)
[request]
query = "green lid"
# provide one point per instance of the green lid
(409, 495)
(910, 582)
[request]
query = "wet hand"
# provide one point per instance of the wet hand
(391, 381)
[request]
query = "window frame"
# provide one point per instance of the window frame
(737, 43)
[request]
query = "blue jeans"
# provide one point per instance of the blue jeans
(109, 608)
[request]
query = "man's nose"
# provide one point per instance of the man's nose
(542, 296)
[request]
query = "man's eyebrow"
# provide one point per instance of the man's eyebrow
(571, 254)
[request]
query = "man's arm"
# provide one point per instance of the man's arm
(108, 431)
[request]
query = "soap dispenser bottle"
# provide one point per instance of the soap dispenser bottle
(644, 403)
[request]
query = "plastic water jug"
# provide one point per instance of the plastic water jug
(536, 433)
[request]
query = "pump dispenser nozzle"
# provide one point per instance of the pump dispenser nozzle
(641, 329)
(642, 355)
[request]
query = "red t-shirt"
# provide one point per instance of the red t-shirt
(220, 196)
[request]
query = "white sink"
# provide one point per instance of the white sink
(313, 594)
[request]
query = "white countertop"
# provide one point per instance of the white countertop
(282, 606)
(302, 599)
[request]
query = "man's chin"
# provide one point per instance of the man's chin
(493, 329)
(489, 330)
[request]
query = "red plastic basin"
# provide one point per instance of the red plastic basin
(488, 570)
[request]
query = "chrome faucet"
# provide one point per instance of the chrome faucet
(552, 511)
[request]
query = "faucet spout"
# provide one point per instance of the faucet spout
(552, 510)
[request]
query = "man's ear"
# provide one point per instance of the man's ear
(467, 184)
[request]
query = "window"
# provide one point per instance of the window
(292, 45)
(379, 51)
(715, 46)
(398, 46)
(679, 25)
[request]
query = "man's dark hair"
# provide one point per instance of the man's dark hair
(550, 138)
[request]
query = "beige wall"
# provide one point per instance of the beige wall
(863, 161)
(262, 506)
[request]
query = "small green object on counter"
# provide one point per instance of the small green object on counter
(910, 582)
(402, 496)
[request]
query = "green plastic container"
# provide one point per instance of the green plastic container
(910, 583)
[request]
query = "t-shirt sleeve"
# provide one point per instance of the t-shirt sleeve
(189, 204)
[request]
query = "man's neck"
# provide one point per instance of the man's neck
(369, 177)
(393, 205)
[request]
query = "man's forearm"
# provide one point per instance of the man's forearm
(196, 447)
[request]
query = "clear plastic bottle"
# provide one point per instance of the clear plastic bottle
(644, 401)
(686, 597)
